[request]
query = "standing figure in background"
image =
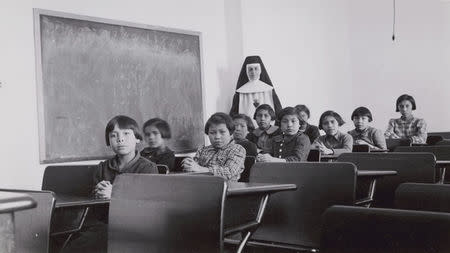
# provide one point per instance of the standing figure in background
(253, 88)
(407, 126)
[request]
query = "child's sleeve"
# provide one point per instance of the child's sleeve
(301, 149)
(421, 134)
(233, 166)
(347, 145)
(379, 140)
(390, 129)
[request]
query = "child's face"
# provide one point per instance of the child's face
(330, 125)
(361, 122)
(153, 137)
(263, 119)
(219, 136)
(123, 141)
(405, 108)
(253, 71)
(303, 115)
(240, 129)
(290, 124)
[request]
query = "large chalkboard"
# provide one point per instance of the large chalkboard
(91, 69)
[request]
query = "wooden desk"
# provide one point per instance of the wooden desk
(9, 203)
(329, 158)
(237, 189)
(75, 202)
(12, 202)
(373, 175)
(64, 200)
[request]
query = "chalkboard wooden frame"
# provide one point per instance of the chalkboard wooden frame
(45, 153)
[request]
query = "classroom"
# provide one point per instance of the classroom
(326, 54)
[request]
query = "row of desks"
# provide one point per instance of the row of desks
(234, 190)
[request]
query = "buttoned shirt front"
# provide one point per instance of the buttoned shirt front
(293, 148)
(408, 128)
(227, 162)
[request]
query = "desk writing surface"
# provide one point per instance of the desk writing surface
(375, 173)
(63, 200)
(11, 202)
(238, 188)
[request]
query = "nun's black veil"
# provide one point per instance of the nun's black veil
(243, 79)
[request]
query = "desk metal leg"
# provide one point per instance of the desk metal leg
(262, 208)
(72, 231)
(369, 199)
(371, 191)
(441, 180)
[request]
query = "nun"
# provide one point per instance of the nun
(253, 88)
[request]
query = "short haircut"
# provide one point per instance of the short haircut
(332, 114)
(266, 107)
(123, 122)
(362, 111)
(248, 120)
(220, 118)
(288, 111)
(303, 108)
(162, 126)
(403, 98)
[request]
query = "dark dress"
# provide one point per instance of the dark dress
(312, 132)
(250, 147)
(160, 156)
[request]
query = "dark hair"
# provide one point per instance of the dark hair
(162, 126)
(303, 108)
(220, 118)
(248, 120)
(403, 98)
(123, 122)
(288, 111)
(332, 114)
(266, 107)
(362, 111)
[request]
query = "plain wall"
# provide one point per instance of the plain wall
(339, 55)
(217, 20)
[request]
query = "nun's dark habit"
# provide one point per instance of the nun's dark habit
(246, 94)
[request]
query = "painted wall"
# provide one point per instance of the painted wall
(217, 20)
(339, 55)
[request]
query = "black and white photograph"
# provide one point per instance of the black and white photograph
(225, 126)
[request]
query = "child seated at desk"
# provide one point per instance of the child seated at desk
(242, 126)
(223, 157)
(122, 135)
(262, 136)
(291, 145)
(156, 133)
(407, 126)
(363, 134)
(334, 142)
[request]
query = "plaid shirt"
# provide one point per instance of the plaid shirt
(227, 162)
(405, 128)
